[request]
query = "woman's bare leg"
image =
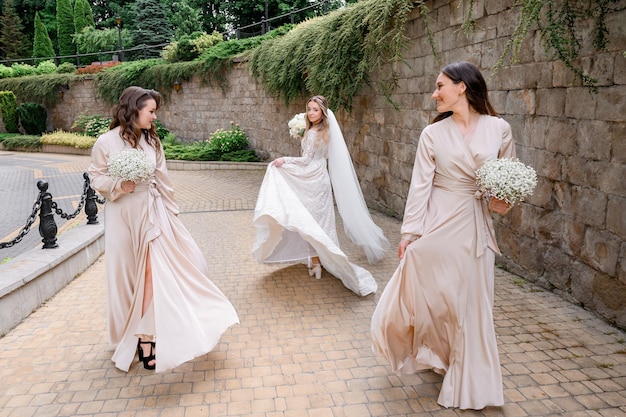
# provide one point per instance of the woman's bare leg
(147, 299)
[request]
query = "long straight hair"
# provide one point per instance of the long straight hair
(126, 112)
(475, 87)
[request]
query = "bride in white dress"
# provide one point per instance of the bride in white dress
(295, 216)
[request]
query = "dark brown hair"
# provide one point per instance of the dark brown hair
(323, 125)
(475, 87)
(125, 115)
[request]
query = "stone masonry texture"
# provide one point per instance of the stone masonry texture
(569, 237)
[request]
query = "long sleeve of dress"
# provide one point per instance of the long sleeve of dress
(420, 188)
(308, 152)
(507, 150)
(99, 177)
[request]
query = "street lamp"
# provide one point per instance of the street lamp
(118, 23)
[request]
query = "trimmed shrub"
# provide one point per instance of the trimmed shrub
(22, 142)
(96, 67)
(66, 68)
(8, 106)
(68, 139)
(32, 117)
(46, 67)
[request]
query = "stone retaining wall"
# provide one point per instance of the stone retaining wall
(569, 237)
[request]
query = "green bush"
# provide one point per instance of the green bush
(5, 72)
(231, 140)
(162, 131)
(32, 117)
(22, 142)
(242, 155)
(46, 67)
(66, 68)
(94, 125)
(8, 106)
(20, 70)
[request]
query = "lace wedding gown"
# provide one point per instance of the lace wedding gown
(295, 217)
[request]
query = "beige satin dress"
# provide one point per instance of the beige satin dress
(436, 310)
(188, 313)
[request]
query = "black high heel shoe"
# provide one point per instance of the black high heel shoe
(146, 359)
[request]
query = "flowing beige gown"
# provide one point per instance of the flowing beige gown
(436, 310)
(188, 313)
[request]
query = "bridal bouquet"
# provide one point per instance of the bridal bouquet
(130, 165)
(507, 179)
(297, 125)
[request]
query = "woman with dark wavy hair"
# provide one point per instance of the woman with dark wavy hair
(158, 286)
(436, 310)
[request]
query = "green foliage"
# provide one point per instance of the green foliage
(68, 139)
(42, 45)
(65, 27)
(20, 70)
(153, 27)
(92, 40)
(8, 106)
(5, 72)
(32, 117)
(162, 131)
(80, 22)
(186, 19)
(94, 125)
(66, 68)
(224, 145)
(40, 88)
(559, 25)
(231, 140)
(46, 67)
(13, 43)
(190, 47)
(334, 54)
(22, 142)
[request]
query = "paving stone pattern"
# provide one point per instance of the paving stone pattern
(303, 346)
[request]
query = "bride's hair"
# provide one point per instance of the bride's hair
(322, 126)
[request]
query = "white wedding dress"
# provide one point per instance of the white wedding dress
(295, 215)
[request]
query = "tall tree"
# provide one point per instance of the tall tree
(13, 43)
(152, 25)
(88, 14)
(65, 27)
(80, 21)
(186, 19)
(42, 45)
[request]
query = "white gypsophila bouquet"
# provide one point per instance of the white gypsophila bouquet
(297, 125)
(507, 179)
(130, 165)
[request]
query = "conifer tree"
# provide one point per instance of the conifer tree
(153, 26)
(13, 44)
(80, 22)
(88, 14)
(65, 27)
(186, 19)
(42, 45)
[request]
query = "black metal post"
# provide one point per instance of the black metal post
(91, 207)
(47, 226)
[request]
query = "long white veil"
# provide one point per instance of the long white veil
(357, 221)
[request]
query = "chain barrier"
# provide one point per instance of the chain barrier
(47, 207)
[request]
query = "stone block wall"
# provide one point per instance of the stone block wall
(569, 237)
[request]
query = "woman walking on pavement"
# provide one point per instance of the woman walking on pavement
(436, 310)
(160, 300)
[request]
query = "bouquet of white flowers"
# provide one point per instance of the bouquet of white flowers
(507, 179)
(130, 165)
(297, 125)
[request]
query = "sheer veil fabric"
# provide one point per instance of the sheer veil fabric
(357, 221)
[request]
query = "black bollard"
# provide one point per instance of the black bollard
(91, 207)
(47, 226)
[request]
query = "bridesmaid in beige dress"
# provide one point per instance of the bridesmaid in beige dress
(158, 288)
(436, 311)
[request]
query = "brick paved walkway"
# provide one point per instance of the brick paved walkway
(303, 347)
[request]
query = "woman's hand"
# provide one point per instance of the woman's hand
(278, 162)
(499, 206)
(402, 247)
(128, 186)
